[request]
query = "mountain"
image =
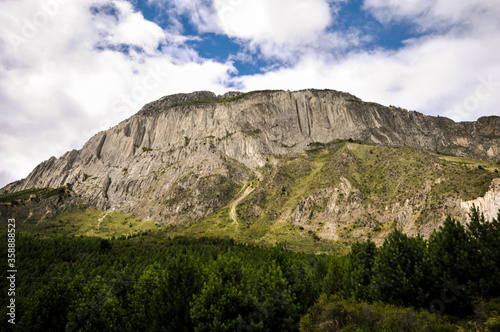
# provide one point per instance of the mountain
(323, 162)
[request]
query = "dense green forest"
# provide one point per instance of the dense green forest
(446, 283)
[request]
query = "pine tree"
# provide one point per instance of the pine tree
(359, 269)
(225, 301)
(335, 275)
(399, 271)
(453, 254)
(487, 240)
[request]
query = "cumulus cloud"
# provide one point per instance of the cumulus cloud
(200, 13)
(279, 21)
(132, 29)
(276, 30)
(434, 14)
(72, 69)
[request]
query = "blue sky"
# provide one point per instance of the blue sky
(351, 15)
(221, 47)
(69, 69)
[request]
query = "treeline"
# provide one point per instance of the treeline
(456, 266)
(180, 284)
(208, 284)
(455, 272)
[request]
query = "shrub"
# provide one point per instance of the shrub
(337, 314)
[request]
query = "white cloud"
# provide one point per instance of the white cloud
(279, 21)
(435, 14)
(452, 71)
(277, 30)
(57, 88)
(201, 13)
(133, 29)
(7, 177)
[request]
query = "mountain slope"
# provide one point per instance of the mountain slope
(186, 156)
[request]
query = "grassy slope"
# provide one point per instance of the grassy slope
(383, 175)
(88, 222)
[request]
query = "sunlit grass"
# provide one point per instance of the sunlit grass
(87, 222)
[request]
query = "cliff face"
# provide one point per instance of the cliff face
(489, 204)
(184, 156)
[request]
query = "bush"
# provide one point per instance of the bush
(335, 313)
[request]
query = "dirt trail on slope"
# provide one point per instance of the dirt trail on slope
(101, 219)
(248, 191)
(232, 213)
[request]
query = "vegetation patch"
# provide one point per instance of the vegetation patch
(471, 163)
(221, 100)
(217, 187)
(226, 136)
(252, 132)
(193, 102)
(39, 193)
(335, 313)
(177, 194)
(88, 222)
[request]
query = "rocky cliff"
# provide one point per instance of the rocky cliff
(184, 156)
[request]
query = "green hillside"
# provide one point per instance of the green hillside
(379, 177)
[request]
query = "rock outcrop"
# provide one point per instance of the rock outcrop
(489, 204)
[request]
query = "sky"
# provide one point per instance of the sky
(72, 68)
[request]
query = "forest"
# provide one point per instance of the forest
(448, 282)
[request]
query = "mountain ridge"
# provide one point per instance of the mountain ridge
(185, 156)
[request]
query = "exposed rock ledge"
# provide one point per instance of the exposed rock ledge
(489, 204)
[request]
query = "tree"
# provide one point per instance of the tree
(49, 307)
(487, 240)
(278, 310)
(453, 255)
(104, 246)
(359, 269)
(400, 271)
(162, 296)
(225, 301)
(335, 275)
